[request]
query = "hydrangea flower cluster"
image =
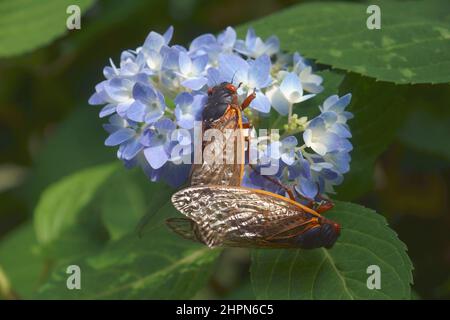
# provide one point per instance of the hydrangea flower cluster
(159, 88)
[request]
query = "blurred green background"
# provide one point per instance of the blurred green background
(47, 129)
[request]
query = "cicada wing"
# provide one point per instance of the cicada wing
(247, 217)
(225, 155)
(185, 227)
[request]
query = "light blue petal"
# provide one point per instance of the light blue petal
(233, 67)
(107, 110)
(272, 45)
(280, 103)
(329, 102)
(96, 99)
(329, 117)
(199, 63)
(149, 138)
(241, 47)
(185, 63)
(154, 41)
(289, 142)
(214, 77)
(144, 93)
(341, 161)
(348, 115)
(131, 149)
(306, 188)
(153, 116)
(137, 111)
(119, 137)
(202, 41)
(170, 58)
(118, 89)
(156, 156)
(168, 34)
(261, 103)
(227, 38)
(288, 157)
(344, 145)
(329, 174)
(122, 108)
(184, 99)
(195, 83)
(316, 124)
(259, 72)
(291, 87)
(250, 38)
(109, 72)
(341, 130)
(312, 87)
(165, 125)
(185, 121)
(343, 101)
(117, 121)
(332, 141)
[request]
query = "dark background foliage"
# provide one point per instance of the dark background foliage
(48, 131)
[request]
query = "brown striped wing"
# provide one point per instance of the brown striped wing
(218, 171)
(237, 216)
(186, 228)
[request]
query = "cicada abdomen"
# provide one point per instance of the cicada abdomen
(223, 154)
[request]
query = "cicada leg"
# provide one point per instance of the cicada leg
(288, 191)
(325, 205)
(248, 100)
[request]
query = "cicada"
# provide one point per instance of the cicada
(219, 212)
(223, 114)
(242, 217)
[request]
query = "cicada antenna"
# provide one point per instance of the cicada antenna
(232, 78)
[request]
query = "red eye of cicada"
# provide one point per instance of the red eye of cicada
(231, 88)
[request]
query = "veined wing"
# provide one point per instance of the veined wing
(218, 170)
(238, 216)
(185, 227)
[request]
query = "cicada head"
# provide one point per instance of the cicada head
(219, 98)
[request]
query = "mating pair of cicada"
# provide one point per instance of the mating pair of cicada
(220, 212)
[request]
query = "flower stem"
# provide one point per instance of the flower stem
(290, 110)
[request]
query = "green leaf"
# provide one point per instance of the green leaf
(425, 131)
(62, 202)
(130, 195)
(341, 272)
(28, 24)
(160, 265)
(379, 109)
(21, 262)
(412, 45)
(76, 144)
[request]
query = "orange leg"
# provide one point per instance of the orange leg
(325, 206)
(248, 100)
(288, 191)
